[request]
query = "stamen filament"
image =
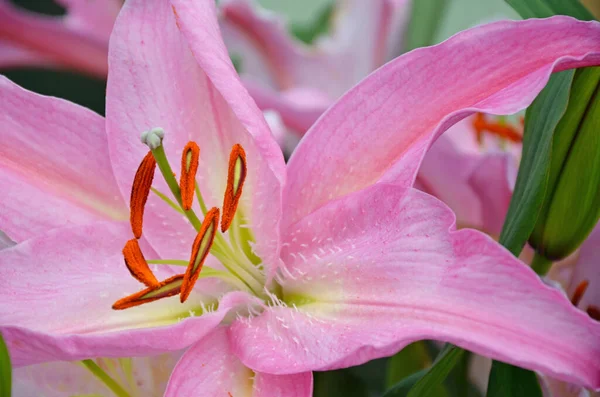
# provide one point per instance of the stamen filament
(201, 200)
(176, 262)
(207, 272)
(99, 373)
(189, 167)
(167, 172)
(579, 291)
(166, 199)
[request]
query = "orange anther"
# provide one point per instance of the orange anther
(139, 193)
(164, 289)
(137, 265)
(579, 291)
(481, 125)
(593, 312)
(235, 181)
(189, 166)
(200, 250)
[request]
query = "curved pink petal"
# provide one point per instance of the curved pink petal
(381, 129)
(492, 182)
(83, 41)
(371, 272)
(54, 165)
(57, 291)
(139, 376)
(209, 368)
(587, 269)
(155, 81)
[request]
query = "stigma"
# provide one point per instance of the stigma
(184, 191)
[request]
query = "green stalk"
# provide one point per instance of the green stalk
(541, 264)
(105, 378)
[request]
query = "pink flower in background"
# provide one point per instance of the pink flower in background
(330, 261)
(473, 171)
(300, 81)
(77, 40)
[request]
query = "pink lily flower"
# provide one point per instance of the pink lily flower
(330, 261)
(299, 81)
(474, 178)
(473, 170)
(138, 376)
(77, 40)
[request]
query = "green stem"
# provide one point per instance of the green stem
(167, 200)
(540, 264)
(105, 378)
(167, 172)
(176, 262)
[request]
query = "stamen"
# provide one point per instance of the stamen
(235, 182)
(579, 291)
(139, 193)
(480, 124)
(593, 312)
(189, 166)
(166, 288)
(200, 250)
(137, 265)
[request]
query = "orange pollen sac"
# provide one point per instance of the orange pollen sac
(139, 193)
(593, 312)
(189, 167)
(137, 265)
(200, 250)
(481, 125)
(579, 291)
(235, 181)
(166, 288)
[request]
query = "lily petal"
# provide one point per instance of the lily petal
(209, 368)
(54, 165)
(148, 377)
(83, 34)
(378, 269)
(491, 180)
(588, 268)
(56, 293)
(189, 88)
(394, 115)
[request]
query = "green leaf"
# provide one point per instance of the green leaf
(5, 370)
(430, 383)
(509, 381)
(402, 388)
(407, 361)
(308, 32)
(548, 8)
(425, 19)
(563, 223)
(541, 120)
(339, 383)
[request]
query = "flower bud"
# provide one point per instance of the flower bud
(571, 206)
